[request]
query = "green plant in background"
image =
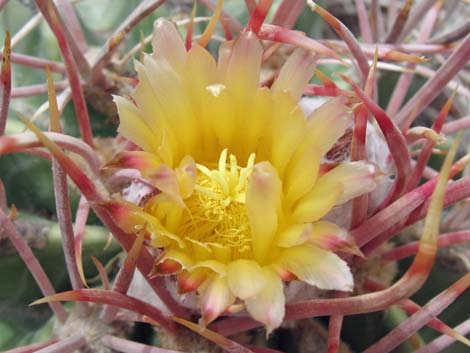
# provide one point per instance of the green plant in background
(243, 191)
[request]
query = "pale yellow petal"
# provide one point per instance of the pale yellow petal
(245, 278)
(295, 73)
(133, 127)
(152, 113)
(223, 60)
(200, 67)
(268, 305)
(318, 202)
(215, 298)
(327, 123)
(317, 267)
(263, 199)
(356, 178)
(168, 44)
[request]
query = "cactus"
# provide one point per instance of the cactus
(263, 165)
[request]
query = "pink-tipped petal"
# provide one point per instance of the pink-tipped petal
(168, 44)
(329, 236)
(215, 298)
(356, 178)
(296, 73)
(268, 305)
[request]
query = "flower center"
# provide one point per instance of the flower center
(217, 214)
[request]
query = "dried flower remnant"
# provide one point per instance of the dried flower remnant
(236, 169)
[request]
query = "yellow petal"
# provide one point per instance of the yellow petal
(199, 250)
(172, 102)
(295, 73)
(152, 114)
(318, 202)
(263, 198)
(201, 72)
(245, 278)
(219, 114)
(294, 234)
(168, 44)
(302, 173)
(213, 265)
(268, 305)
(133, 127)
(200, 68)
(356, 178)
(327, 123)
(253, 130)
(288, 131)
(215, 298)
(317, 267)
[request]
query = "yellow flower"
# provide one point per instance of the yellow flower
(236, 168)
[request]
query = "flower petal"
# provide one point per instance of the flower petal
(294, 234)
(295, 73)
(180, 257)
(245, 278)
(213, 265)
(168, 44)
(172, 102)
(317, 267)
(329, 236)
(327, 123)
(186, 176)
(215, 298)
(151, 112)
(133, 127)
(288, 130)
(166, 181)
(268, 305)
(244, 65)
(318, 202)
(356, 178)
(145, 162)
(263, 197)
(302, 173)
(190, 281)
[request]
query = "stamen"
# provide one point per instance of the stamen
(216, 215)
(223, 171)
